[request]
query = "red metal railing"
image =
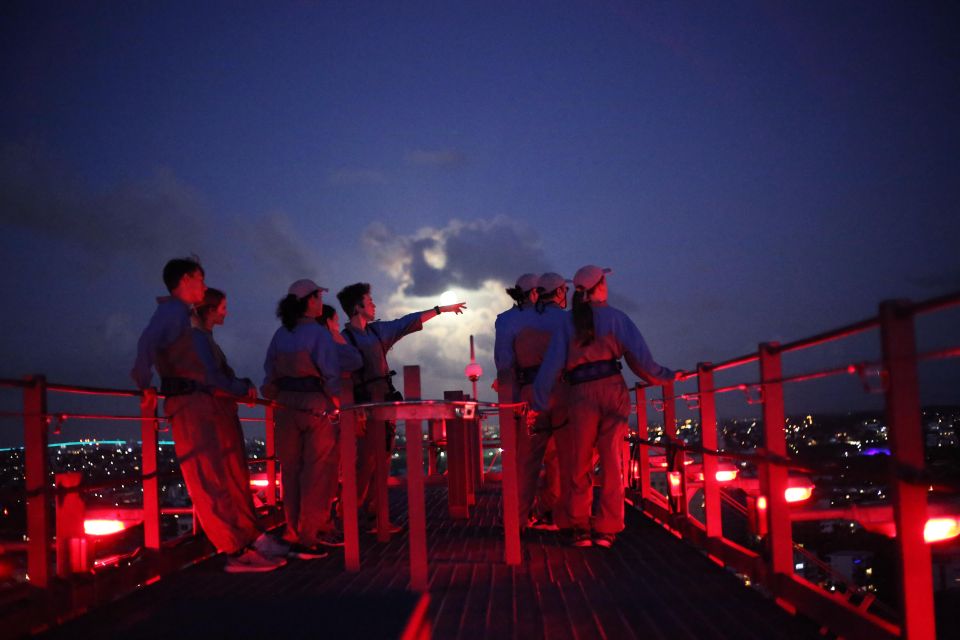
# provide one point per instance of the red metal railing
(895, 374)
(73, 554)
(896, 377)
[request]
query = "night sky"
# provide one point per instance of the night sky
(752, 171)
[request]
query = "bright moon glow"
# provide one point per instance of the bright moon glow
(448, 297)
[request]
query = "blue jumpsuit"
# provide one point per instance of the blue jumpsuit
(598, 409)
(303, 373)
(373, 382)
(205, 431)
(522, 336)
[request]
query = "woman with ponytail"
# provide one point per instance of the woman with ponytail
(303, 374)
(587, 350)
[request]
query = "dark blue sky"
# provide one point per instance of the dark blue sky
(751, 170)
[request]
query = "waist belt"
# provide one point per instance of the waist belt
(170, 387)
(388, 377)
(590, 371)
(526, 375)
(302, 385)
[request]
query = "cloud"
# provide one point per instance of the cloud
(442, 349)
(346, 177)
(443, 158)
(461, 254)
(145, 221)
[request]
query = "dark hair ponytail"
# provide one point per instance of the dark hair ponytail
(291, 309)
(518, 295)
(582, 318)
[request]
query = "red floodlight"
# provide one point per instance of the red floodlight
(103, 527)
(941, 528)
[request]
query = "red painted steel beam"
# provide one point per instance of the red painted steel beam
(458, 464)
(511, 499)
(681, 504)
(774, 478)
(73, 553)
(643, 430)
(149, 454)
(708, 430)
(415, 495)
(348, 474)
(907, 450)
(270, 442)
(35, 438)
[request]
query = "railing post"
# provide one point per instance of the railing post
(73, 551)
(708, 434)
(676, 463)
(35, 467)
(348, 474)
(508, 463)
(774, 481)
(459, 474)
(378, 433)
(907, 449)
(415, 494)
(433, 428)
(149, 467)
(643, 431)
(270, 443)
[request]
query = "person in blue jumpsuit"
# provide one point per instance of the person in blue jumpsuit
(302, 373)
(522, 334)
(191, 379)
(587, 350)
(374, 383)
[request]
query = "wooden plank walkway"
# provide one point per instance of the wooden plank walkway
(649, 585)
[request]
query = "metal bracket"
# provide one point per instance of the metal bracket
(873, 377)
(753, 393)
(692, 400)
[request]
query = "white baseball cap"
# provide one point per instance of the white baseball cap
(303, 288)
(587, 277)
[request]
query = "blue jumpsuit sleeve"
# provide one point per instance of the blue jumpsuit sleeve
(637, 353)
(214, 375)
(503, 344)
(164, 327)
(391, 331)
(325, 356)
(268, 369)
(553, 364)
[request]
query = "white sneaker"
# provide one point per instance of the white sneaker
(270, 547)
(251, 561)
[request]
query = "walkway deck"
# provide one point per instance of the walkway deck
(650, 585)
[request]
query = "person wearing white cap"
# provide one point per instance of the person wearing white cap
(303, 374)
(587, 351)
(536, 448)
(510, 322)
(373, 382)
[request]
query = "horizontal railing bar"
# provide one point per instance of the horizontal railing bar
(830, 336)
(937, 304)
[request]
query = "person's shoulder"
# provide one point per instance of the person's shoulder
(506, 315)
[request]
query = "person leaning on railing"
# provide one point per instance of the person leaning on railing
(303, 374)
(374, 383)
(189, 380)
(587, 350)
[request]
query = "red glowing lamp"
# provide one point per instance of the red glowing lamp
(103, 526)
(941, 528)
